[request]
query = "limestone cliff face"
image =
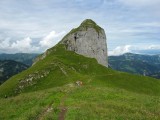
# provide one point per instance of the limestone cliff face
(89, 40)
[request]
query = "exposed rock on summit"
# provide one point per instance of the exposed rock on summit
(89, 40)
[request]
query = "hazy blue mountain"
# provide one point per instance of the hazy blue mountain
(9, 68)
(148, 65)
(26, 58)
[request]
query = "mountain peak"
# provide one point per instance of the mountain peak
(88, 22)
(89, 40)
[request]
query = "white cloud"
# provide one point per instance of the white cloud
(150, 24)
(139, 3)
(133, 49)
(5, 43)
(19, 46)
(120, 50)
(153, 47)
(24, 45)
(51, 39)
(27, 45)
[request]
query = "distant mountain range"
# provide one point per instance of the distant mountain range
(9, 68)
(25, 58)
(148, 65)
(11, 64)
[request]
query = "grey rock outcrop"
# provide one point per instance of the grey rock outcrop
(89, 40)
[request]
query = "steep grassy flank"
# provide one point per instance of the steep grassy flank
(49, 86)
(60, 67)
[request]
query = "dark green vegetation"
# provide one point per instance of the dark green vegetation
(11, 64)
(9, 68)
(48, 91)
(24, 58)
(148, 65)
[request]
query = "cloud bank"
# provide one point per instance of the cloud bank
(151, 49)
(27, 45)
(51, 39)
(126, 22)
(141, 3)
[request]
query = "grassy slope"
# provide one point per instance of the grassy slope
(105, 94)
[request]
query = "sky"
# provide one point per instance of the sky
(33, 26)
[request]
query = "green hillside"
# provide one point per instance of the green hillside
(48, 90)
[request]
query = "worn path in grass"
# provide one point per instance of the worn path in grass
(45, 111)
(63, 109)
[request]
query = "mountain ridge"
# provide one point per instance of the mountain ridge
(9, 68)
(25, 58)
(147, 65)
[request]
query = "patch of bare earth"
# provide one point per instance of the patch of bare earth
(63, 110)
(45, 111)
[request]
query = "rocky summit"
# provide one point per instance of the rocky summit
(89, 40)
